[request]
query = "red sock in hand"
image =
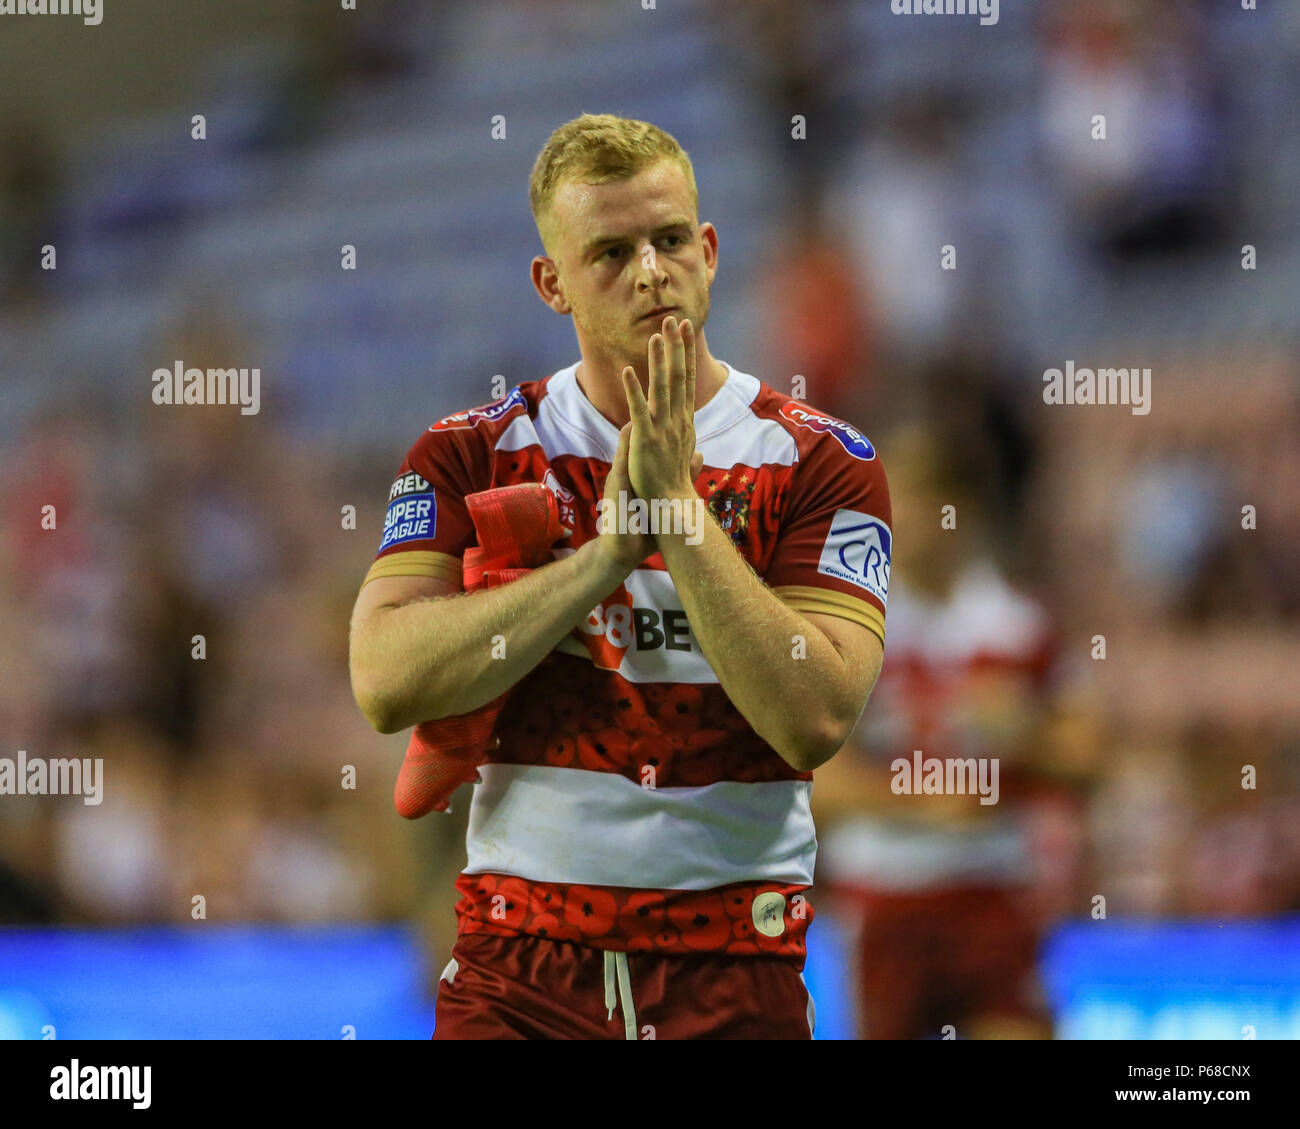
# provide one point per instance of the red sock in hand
(516, 527)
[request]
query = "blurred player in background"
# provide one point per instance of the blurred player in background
(941, 881)
(641, 840)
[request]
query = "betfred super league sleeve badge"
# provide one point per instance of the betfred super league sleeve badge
(858, 550)
(412, 512)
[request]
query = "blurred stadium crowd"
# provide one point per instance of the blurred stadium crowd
(373, 129)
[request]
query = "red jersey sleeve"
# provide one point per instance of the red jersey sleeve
(834, 544)
(426, 525)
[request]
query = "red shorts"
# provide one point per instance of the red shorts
(527, 987)
(936, 957)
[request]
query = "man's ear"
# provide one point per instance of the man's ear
(709, 238)
(546, 281)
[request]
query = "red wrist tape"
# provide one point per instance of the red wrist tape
(516, 526)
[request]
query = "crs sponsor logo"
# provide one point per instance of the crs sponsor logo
(412, 511)
(460, 421)
(850, 438)
(858, 549)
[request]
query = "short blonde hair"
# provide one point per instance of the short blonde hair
(596, 148)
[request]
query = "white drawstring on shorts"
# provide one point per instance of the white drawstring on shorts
(616, 969)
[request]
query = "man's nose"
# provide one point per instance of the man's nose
(652, 274)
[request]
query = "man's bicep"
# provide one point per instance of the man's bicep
(861, 649)
(382, 593)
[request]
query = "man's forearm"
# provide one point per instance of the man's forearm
(751, 639)
(447, 656)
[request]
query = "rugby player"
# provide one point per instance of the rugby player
(640, 844)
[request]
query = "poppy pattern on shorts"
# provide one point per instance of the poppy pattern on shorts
(719, 921)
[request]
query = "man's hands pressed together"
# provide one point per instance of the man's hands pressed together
(662, 461)
(656, 456)
(416, 652)
(803, 707)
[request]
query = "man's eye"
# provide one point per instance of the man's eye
(614, 251)
(677, 238)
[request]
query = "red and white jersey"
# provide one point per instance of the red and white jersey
(951, 661)
(630, 806)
